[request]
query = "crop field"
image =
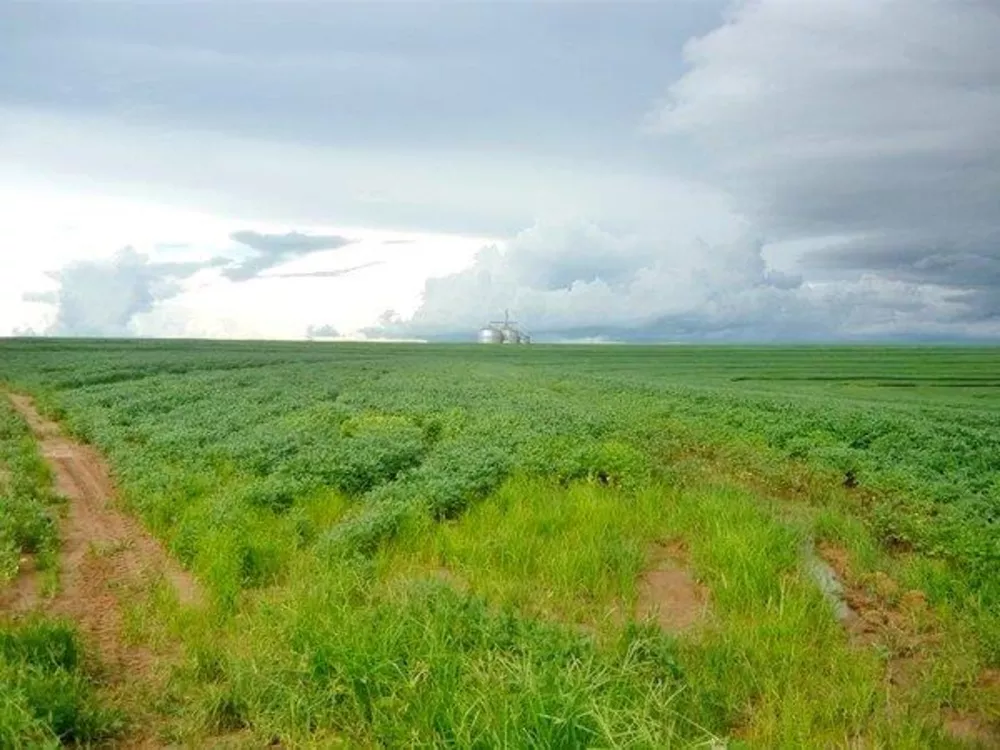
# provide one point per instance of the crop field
(467, 546)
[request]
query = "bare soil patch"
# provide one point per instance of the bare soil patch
(104, 553)
(989, 679)
(23, 593)
(971, 730)
(668, 592)
(880, 612)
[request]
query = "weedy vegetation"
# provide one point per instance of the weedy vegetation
(453, 546)
(27, 504)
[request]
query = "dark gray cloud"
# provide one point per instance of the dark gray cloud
(274, 249)
(460, 117)
(872, 123)
(102, 298)
(965, 263)
(427, 73)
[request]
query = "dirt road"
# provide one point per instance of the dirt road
(104, 554)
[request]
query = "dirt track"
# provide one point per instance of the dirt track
(104, 553)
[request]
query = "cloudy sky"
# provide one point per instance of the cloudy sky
(672, 170)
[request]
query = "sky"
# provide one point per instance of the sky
(666, 170)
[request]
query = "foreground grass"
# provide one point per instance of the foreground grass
(528, 641)
(574, 555)
(48, 699)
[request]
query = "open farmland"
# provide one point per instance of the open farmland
(416, 545)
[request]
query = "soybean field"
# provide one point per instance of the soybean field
(407, 545)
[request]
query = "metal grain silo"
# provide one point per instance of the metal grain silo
(491, 335)
(510, 335)
(503, 332)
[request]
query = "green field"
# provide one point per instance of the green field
(450, 545)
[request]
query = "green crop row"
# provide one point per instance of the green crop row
(358, 418)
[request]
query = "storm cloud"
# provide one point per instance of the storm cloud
(428, 73)
(866, 126)
(561, 278)
(585, 283)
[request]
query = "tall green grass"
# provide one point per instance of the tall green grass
(770, 659)
(47, 699)
(514, 646)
